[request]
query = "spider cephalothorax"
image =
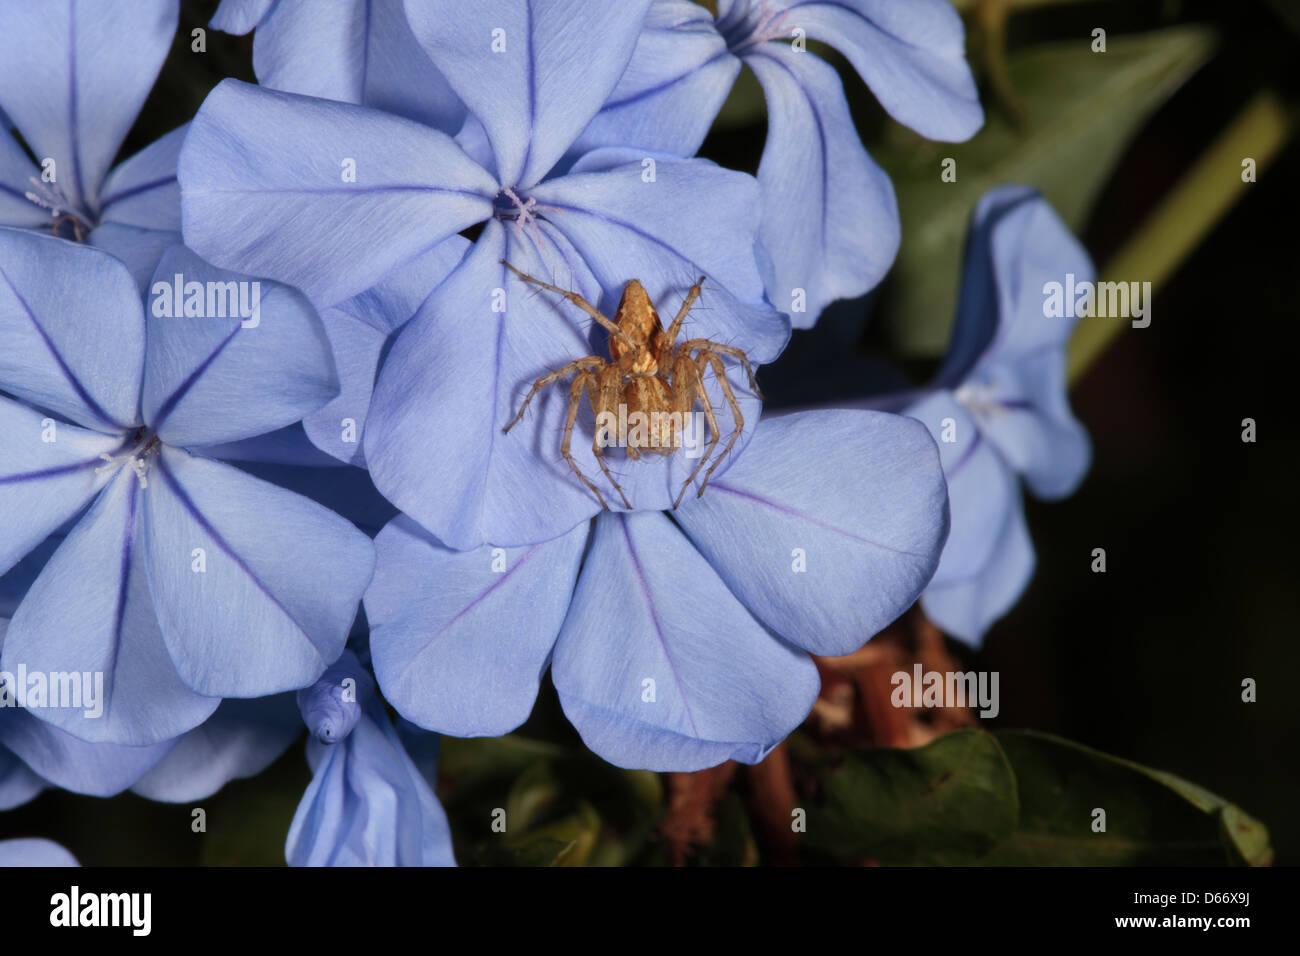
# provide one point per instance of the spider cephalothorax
(648, 380)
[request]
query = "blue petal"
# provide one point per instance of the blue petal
(136, 248)
(241, 739)
(236, 373)
(43, 483)
(979, 309)
(18, 784)
(342, 489)
(981, 487)
(16, 174)
(282, 583)
(677, 80)
(649, 608)
(98, 770)
(912, 55)
(967, 607)
(830, 218)
(90, 611)
(331, 707)
(460, 638)
(359, 330)
(74, 75)
(694, 219)
(73, 329)
(357, 51)
(15, 582)
(262, 189)
(142, 191)
(239, 16)
(140, 212)
(34, 851)
(856, 498)
(1020, 242)
(988, 559)
(557, 65)
(284, 446)
(367, 804)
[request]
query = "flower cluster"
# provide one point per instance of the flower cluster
(326, 276)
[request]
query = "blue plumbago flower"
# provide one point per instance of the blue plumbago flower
(73, 76)
(181, 580)
(830, 220)
(356, 51)
(999, 407)
(675, 643)
(34, 851)
(240, 739)
(332, 198)
(368, 804)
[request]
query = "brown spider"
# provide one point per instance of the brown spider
(644, 373)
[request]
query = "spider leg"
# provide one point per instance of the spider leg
(575, 399)
(588, 362)
(717, 348)
(671, 336)
(580, 302)
(685, 367)
(608, 389)
(720, 373)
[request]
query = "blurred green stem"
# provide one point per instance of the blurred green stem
(1188, 212)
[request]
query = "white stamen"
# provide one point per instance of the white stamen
(979, 398)
(137, 459)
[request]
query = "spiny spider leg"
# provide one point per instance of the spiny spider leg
(580, 302)
(589, 362)
(676, 327)
(575, 398)
(705, 345)
(606, 400)
(720, 373)
(684, 366)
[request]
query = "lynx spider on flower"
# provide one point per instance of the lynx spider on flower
(646, 373)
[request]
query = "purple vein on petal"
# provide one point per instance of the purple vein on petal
(188, 503)
(80, 389)
(659, 88)
(622, 225)
(169, 405)
(802, 516)
(532, 89)
(468, 607)
(73, 105)
(133, 192)
(123, 583)
(965, 456)
(50, 472)
(654, 620)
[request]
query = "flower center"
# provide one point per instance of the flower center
(67, 224)
(138, 450)
(979, 398)
(509, 206)
(753, 22)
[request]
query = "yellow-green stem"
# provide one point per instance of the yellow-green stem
(1187, 214)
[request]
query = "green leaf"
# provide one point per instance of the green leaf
(1152, 818)
(568, 841)
(562, 807)
(1081, 111)
(946, 803)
